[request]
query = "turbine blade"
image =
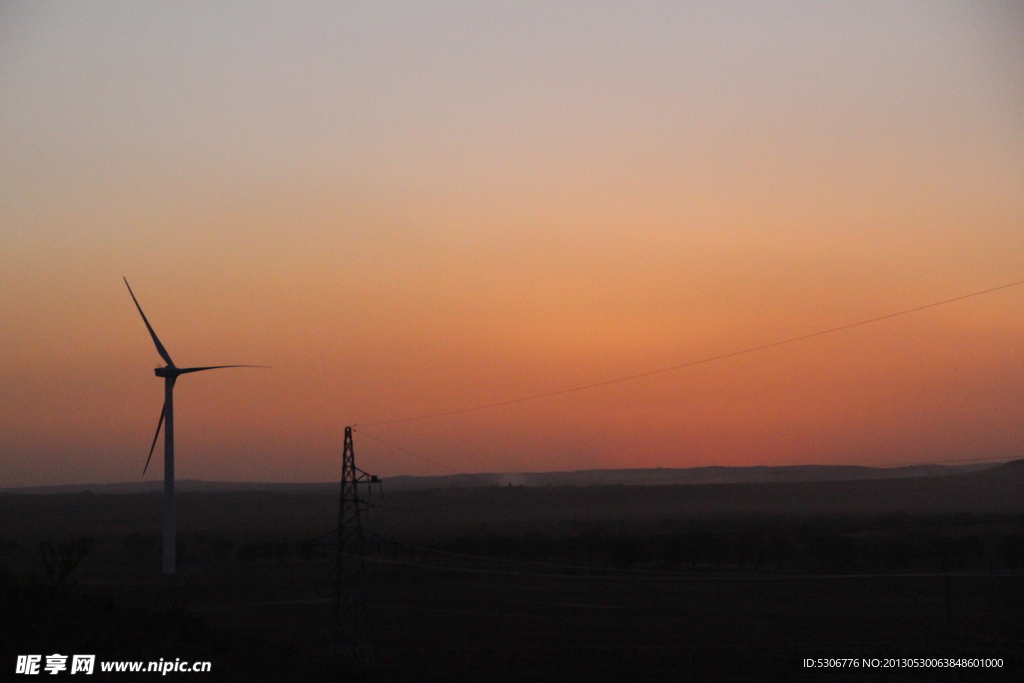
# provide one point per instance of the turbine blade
(182, 371)
(156, 340)
(163, 411)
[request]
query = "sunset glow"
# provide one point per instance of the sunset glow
(409, 208)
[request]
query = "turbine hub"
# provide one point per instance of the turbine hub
(166, 372)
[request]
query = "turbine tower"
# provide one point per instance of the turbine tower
(170, 374)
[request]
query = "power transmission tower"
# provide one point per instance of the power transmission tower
(353, 650)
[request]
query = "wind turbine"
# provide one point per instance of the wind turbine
(170, 374)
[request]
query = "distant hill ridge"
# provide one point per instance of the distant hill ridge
(628, 477)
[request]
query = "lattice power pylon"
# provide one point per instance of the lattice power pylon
(351, 613)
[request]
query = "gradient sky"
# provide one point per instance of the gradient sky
(414, 207)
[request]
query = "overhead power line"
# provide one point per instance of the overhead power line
(710, 359)
(412, 453)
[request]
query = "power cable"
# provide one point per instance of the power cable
(408, 452)
(731, 354)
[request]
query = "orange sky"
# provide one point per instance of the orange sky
(407, 210)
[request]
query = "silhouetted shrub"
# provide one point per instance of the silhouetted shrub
(61, 559)
(281, 550)
(139, 546)
(223, 546)
(1011, 547)
(833, 552)
(625, 552)
(248, 553)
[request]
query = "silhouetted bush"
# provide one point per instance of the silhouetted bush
(61, 559)
(894, 543)
(833, 552)
(248, 553)
(625, 552)
(1011, 548)
(223, 546)
(139, 546)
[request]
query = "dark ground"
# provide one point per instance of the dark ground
(701, 583)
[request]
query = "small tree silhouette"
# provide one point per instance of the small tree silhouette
(61, 559)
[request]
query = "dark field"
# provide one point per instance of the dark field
(603, 583)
